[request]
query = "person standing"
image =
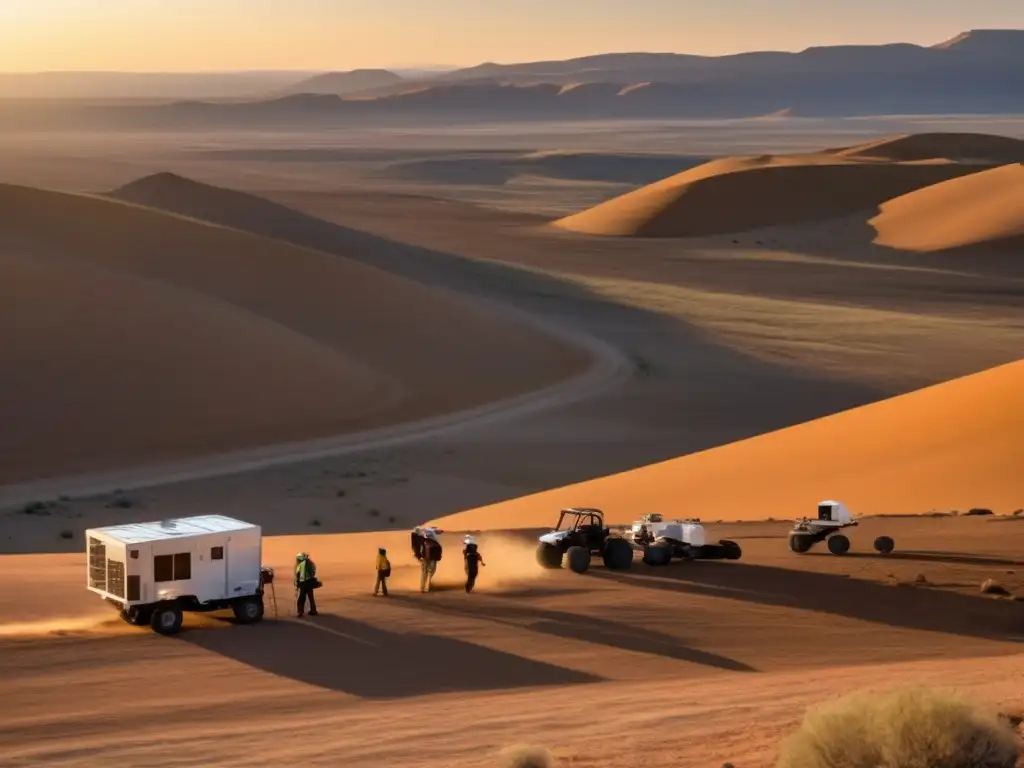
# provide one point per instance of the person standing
(383, 572)
(417, 544)
(473, 560)
(432, 552)
(305, 583)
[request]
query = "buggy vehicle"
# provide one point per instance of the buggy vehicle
(154, 572)
(579, 535)
(663, 540)
(833, 516)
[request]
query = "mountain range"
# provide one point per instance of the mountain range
(976, 72)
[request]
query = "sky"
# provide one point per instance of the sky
(218, 35)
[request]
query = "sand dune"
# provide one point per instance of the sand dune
(130, 335)
(738, 194)
(949, 146)
(952, 446)
(981, 209)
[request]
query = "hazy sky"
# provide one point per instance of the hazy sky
(184, 35)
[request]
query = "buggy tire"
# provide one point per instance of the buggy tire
(549, 556)
(617, 554)
(884, 545)
(801, 542)
(167, 619)
(658, 554)
(838, 544)
(577, 559)
(730, 549)
(248, 610)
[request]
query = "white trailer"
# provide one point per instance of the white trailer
(153, 572)
(684, 538)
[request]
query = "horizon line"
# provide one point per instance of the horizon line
(453, 67)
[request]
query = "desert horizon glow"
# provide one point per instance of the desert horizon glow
(146, 35)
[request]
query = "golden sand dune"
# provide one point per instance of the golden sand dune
(738, 194)
(955, 445)
(985, 208)
(964, 147)
(130, 335)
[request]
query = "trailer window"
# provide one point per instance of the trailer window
(97, 564)
(115, 578)
(177, 567)
(183, 566)
(217, 553)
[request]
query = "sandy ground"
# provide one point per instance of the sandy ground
(682, 351)
(731, 652)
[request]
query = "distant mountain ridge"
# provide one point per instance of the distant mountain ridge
(976, 72)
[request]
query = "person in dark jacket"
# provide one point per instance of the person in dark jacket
(383, 572)
(473, 562)
(431, 557)
(305, 583)
(417, 544)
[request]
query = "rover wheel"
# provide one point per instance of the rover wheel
(838, 544)
(801, 542)
(884, 545)
(731, 550)
(657, 554)
(166, 619)
(248, 610)
(617, 554)
(577, 559)
(549, 556)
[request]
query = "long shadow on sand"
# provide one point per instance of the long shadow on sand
(573, 626)
(924, 556)
(917, 608)
(348, 656)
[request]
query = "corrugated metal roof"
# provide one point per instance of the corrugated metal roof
(137, 533)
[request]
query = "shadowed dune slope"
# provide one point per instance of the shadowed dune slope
(128, 335)
(949, 146)
(956, 445)
(985, 209)
(738, 194)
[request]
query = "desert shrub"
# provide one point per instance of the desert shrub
(527, 756)
(979, 512)
(914, 728)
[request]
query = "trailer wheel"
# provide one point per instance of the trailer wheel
(884, 545)
(658, 554)
(617, 554)
(731, 550)
(801, 542)
(838, 544)
(167, 619)
(549, 556)
(248, 610)
(577, 559)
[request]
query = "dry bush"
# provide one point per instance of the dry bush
(913, 728)
(527, 756)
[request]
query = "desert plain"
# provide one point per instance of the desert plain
(342, 334)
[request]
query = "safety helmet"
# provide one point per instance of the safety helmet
(300, 557)
(469, 540)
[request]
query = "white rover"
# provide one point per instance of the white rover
(664, 539)
(153, 572)
(833, 516)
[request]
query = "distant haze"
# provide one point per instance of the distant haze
(198, 35)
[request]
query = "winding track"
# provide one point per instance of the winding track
(610, 367)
